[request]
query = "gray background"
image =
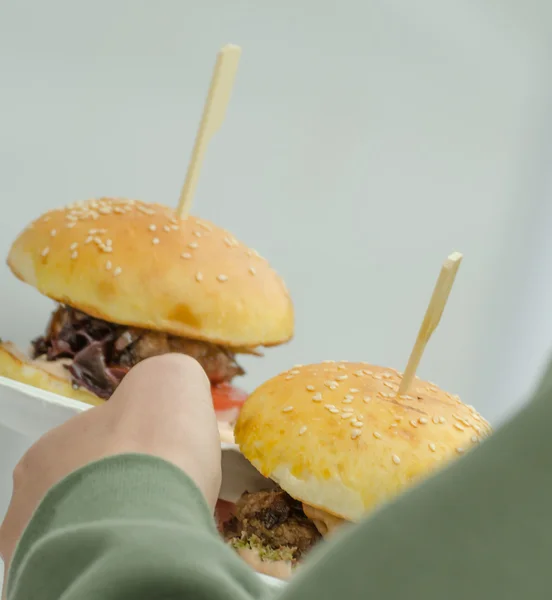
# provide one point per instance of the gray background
(365, 140)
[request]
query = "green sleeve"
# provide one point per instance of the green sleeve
(127, 527)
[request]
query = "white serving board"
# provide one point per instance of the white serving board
(32, 412)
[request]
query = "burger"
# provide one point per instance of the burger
(334, 441)
(133, 280)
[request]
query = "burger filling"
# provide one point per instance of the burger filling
(270, 526)
(98, 354)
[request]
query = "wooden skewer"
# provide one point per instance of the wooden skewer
(432, 317)
(214, 111)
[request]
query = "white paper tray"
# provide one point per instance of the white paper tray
(32, 412)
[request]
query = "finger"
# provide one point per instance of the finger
(164, 407)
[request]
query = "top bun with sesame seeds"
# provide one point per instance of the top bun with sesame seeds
(338, 438)
(138, 264)
(134, 280)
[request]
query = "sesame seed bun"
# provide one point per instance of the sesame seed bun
(338, 437)
(138, 264)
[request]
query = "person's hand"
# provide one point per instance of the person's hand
(163, 408)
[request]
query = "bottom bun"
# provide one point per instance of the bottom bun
(48, 376)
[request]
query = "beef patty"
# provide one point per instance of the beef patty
(102, 352)
(276, 519)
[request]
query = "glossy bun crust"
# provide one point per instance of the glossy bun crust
(338, 437)
(138, 264)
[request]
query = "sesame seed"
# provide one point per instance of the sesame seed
(204, 225)
(349, 398)
(356, 433)
(396, 459)
(442, 420)
(73, 246)
(197, 233)
(341, 367)
(329, 406)
(422, 420)
(53, 232)
(474, 439)
(166, 228)
(460, 450)
(414, 423)
(222, 278)
(199, 276)
(289, 377)
(329, 384)
(175, 227)
(71, 224)
(310, 388)
(347, 415)
(155, 241)
(252, 270)
(328, 362)
(45, 252)
(108, 242)
(74, 255)
(379, 377)
(366, 399)
(435, 420)
(89, 239)
(152, 227)
(367, 372)
(302, 430)
(108, 265)
(342, 377)
(287, 409)
(186, 255)
(389, 385)
(432, 446)
(107, 249)
(359, 373)
(377, 435)
(458, 426)
(333, 410)
(193, 245)
(356, 424)
(117, 271)
(354, 390)
(317, 397)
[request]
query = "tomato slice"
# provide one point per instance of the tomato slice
(227, 401)
(223, 512)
